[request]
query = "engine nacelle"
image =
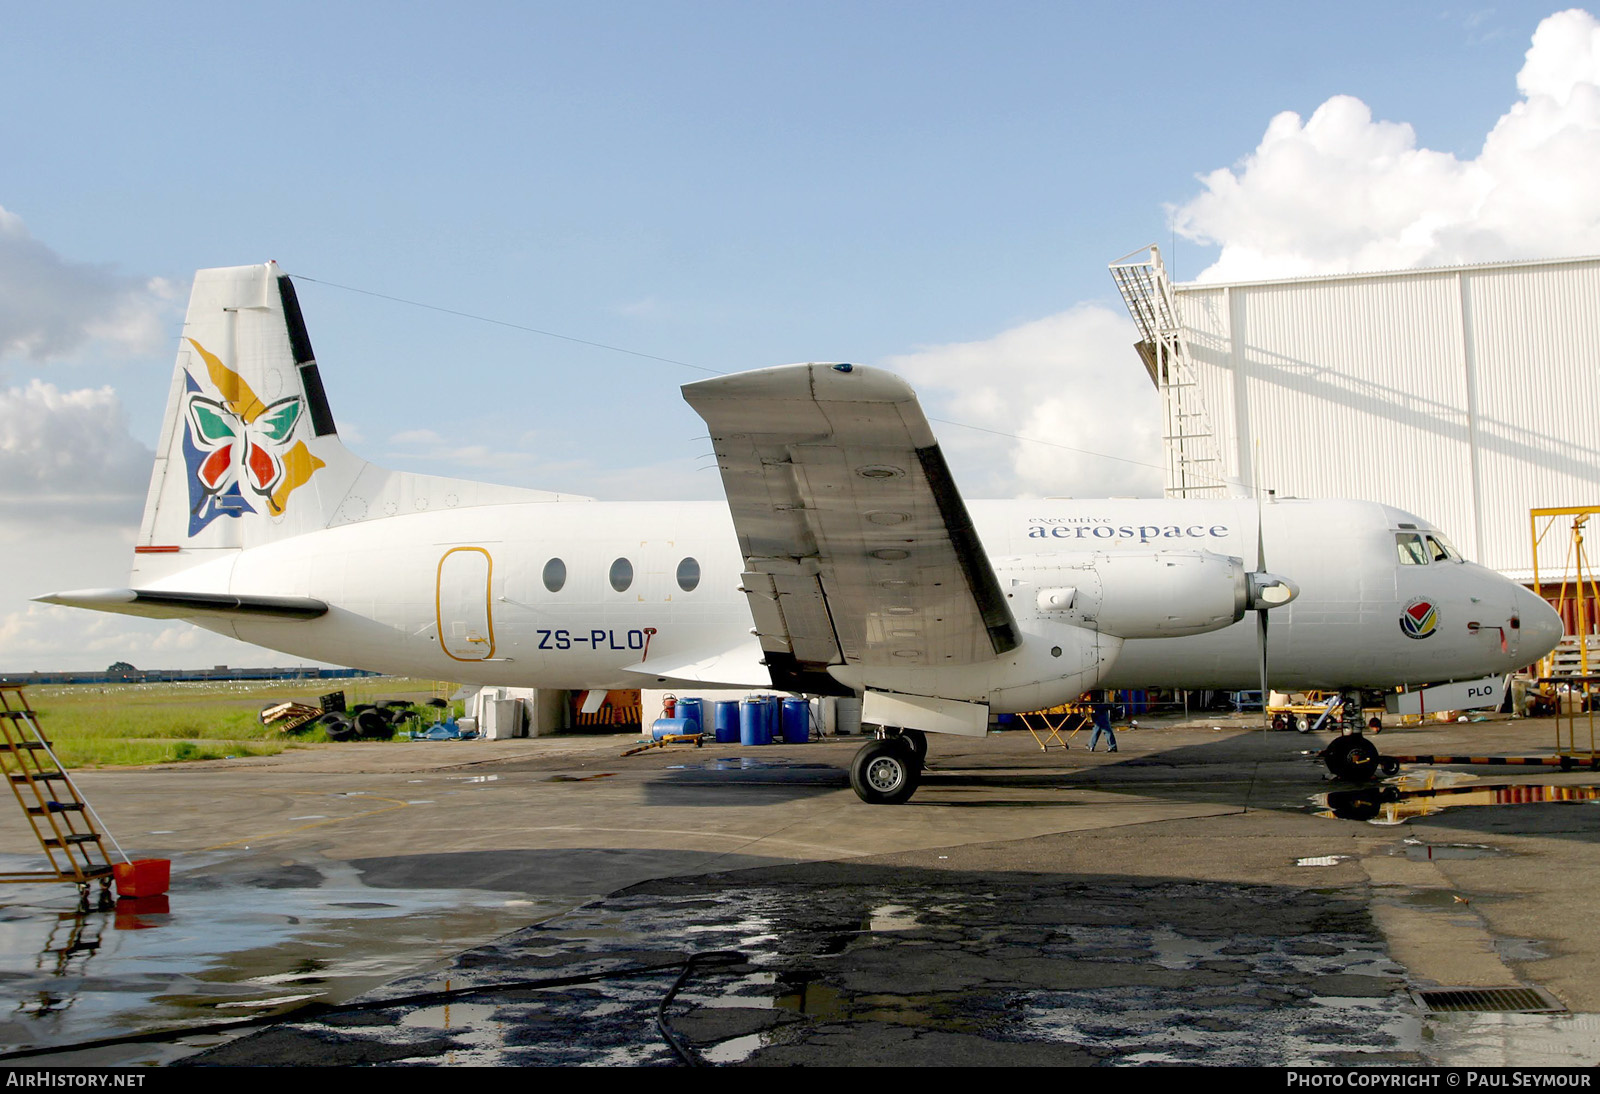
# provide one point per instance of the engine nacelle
(1163, 594)
(1056, 662)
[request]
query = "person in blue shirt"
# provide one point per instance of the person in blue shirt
(1102, 727)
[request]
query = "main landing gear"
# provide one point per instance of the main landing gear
(886, 771)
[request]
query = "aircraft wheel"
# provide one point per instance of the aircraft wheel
(1359, 805)
(917, 742)
(1353, 758)
(884, 773)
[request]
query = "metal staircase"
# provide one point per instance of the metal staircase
(1193, 465)
(61, 819)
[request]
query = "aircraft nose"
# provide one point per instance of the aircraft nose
(1542, 628)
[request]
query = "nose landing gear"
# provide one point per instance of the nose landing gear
(1350, 755)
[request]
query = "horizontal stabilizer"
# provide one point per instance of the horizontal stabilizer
(165, 604)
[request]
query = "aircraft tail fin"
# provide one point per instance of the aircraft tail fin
(249, 452)
(249, 439)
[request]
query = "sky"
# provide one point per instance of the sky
(935, 188)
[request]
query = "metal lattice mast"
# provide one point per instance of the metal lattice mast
(1193, 467)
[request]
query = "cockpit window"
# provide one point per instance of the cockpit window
(1412, 552)
(1442, 549)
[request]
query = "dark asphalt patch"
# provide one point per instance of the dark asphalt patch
(856, 965)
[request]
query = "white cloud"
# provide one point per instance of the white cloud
(417, 437)
(1071, 380)
(68, 445)
(1341, 192)
(47, 638)
(51, 307)
(647, 307)
(44, 554)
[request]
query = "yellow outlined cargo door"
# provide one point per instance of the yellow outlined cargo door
(462, 604)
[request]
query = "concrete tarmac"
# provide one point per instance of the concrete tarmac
(1183, 900)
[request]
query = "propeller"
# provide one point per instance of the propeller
(1267, 591)
(1261, 613)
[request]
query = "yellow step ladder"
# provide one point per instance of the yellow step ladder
(61, 819)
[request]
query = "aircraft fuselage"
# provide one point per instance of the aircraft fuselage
(464, 594)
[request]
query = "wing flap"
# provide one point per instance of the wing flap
(791, 610)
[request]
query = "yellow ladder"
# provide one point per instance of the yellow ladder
(62, 821)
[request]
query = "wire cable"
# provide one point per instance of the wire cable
(506, 323)
(702, 368)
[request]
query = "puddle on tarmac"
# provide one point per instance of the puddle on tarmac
(1109, 971)
(1396, 803)
(449, 1016)
(1079, 970)
(751, 763)
(1425, 851)
(1495, 1040)
(217, 947)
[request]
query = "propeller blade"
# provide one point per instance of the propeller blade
(1261, 540)
(1261, 595)
(1261, 654)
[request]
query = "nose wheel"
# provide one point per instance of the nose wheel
(1354, 758)
(885, 772)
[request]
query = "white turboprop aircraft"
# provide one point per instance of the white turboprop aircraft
(844, 563)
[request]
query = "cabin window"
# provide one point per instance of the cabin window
(688, 574)
(555, 575)
(1412, 552)
(621, 575)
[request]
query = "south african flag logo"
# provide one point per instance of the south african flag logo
(1419, 619)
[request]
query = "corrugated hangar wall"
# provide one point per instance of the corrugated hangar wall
(1465, 395)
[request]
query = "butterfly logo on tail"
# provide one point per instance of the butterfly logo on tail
(239, 449)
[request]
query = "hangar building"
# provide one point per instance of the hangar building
(1466, 394)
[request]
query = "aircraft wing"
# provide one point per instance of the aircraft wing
(858, 548)
(742, 667)
(161, 604)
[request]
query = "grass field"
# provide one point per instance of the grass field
(96, 725)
